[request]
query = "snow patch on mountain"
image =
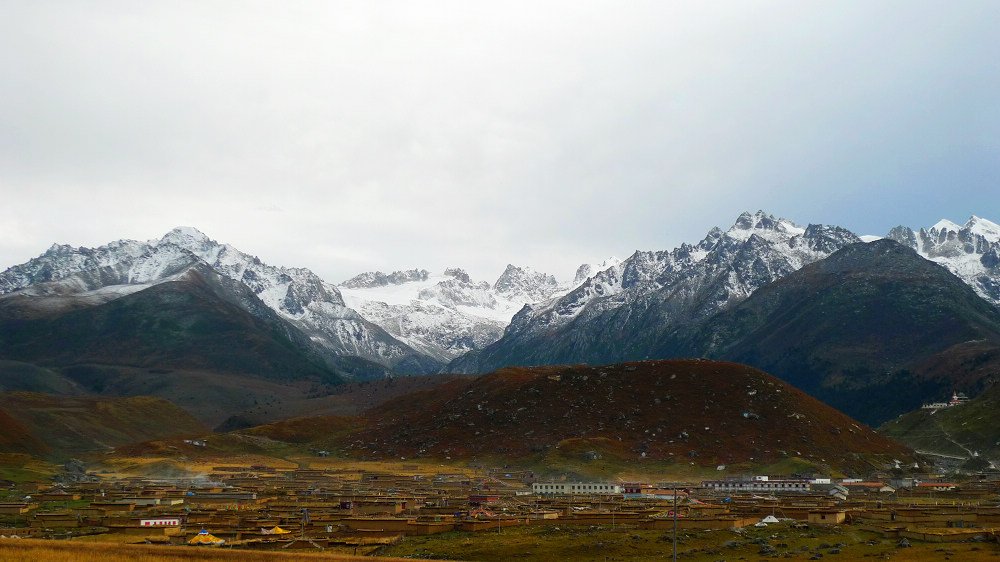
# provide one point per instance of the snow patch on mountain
(448, 314)
(970, 251)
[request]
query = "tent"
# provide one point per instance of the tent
(770, 519)
(275, 531)
(204, 538)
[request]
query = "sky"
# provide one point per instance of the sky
(379, 135)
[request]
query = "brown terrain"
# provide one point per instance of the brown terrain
(702, 413)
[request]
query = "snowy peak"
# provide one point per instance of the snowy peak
(373, 279)
(526, 282)
(761, 223)
(970, 251)
(442, 315)
(982, 227)
(458, 274)
(185, 237)
(945, 225)
(588, 270)
(975, 226)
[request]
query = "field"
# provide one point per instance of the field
(603, 543)
(73, 551)
(592, 543)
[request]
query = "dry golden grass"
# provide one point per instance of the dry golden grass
(72, 551)
(142, 466)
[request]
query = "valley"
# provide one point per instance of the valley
(764, 353)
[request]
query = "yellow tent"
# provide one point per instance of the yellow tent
(204, 538)
(275, 531)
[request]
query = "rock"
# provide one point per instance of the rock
(766, 550)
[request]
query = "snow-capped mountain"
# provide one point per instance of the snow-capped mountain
(621, 312)
(297, 295)
(755, 251)
(446, 315)
(607, 317)
(970, 251)
(414, 321)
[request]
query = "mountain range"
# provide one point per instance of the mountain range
(849, 321)
(112, 319)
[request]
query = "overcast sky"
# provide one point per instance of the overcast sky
(354, 136)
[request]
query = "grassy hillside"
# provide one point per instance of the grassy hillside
(970, 430)
(65, 426)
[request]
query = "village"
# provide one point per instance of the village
(370, 511)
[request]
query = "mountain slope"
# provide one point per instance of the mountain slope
(872, 330)
(184, 323)
(190, 340)
(60, 426)
(970, 430)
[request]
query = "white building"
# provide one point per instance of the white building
(757, 484)
(568, 488)
(160, 522)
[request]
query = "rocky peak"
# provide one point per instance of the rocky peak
(372, 279)
(903, 235)
(458, 273)
(588, 270)
(524, 280)
(758, 221)
(828, 239)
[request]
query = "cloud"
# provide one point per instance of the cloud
(352, 136)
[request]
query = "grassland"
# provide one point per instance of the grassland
(18, 467)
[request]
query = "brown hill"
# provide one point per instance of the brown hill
(692, 411)
(62, 425)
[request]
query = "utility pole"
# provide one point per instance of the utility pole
(675, 523)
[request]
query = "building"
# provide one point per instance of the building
(827, 516)
(576, 488)
(160, 522)
(758, 484)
